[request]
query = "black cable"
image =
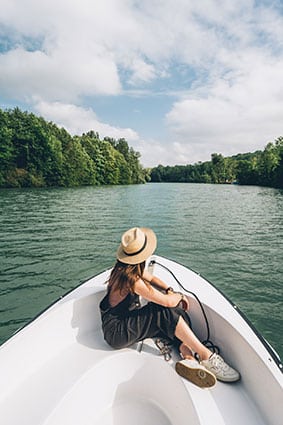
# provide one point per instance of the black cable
(207, 342)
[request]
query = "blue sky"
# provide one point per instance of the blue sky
(179, 79)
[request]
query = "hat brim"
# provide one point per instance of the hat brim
(151, 243)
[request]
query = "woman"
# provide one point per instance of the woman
(124, 322)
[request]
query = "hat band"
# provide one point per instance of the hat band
(139, 251)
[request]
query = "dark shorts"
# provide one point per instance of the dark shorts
(150, 321)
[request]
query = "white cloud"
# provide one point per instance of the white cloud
(228, 98)
(86, 46)
(142, 72)
(154, 152)
(235, 115)
(77, 55)
(57, 75)
(78, 120)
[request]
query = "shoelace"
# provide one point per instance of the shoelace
(218, 363)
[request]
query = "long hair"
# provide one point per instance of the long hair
(124, 276)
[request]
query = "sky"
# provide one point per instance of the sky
(178, 79)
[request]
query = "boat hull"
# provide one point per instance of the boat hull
(59, 370)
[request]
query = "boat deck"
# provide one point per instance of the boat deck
(59, 370)
(64, 391)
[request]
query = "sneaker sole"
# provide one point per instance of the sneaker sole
(198, 376)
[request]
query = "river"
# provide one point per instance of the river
(51, 239)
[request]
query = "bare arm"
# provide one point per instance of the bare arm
(172, 299)
(155, 281)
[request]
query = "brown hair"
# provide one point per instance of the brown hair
(124, 276)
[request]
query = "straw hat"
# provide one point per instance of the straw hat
(137, 244)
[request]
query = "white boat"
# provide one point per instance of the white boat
(59, 370)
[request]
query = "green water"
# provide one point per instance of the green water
(51, 239)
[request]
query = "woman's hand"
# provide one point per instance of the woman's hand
(181, 300)
(172, 299)
(184, 303)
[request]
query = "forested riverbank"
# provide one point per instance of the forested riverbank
(37, 153)
(261, 168)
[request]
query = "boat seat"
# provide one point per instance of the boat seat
(128, 392)
(64, 356)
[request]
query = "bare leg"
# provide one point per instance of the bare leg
(186, 335)
(186, 352)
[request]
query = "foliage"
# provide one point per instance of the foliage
(264, 168)
(34, 152)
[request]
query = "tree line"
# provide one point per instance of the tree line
(262, 168)
(37, 153)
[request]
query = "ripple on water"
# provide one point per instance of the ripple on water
(50, 239)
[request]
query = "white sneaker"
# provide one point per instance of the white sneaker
(196, 373)
(221, 370)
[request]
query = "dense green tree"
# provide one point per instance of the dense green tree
(34, 152)
(257, 168)
(246, 172)
(278, 172)
(53, 167)
(218, 168)
(136, 170)
(267, 164)
(77, 165)
(6, 147)
(122, 146)
(91, 144)
(156, 174)
(110, 172)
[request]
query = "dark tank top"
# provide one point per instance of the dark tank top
(129, 303)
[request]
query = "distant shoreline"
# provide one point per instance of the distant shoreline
(37, 153)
